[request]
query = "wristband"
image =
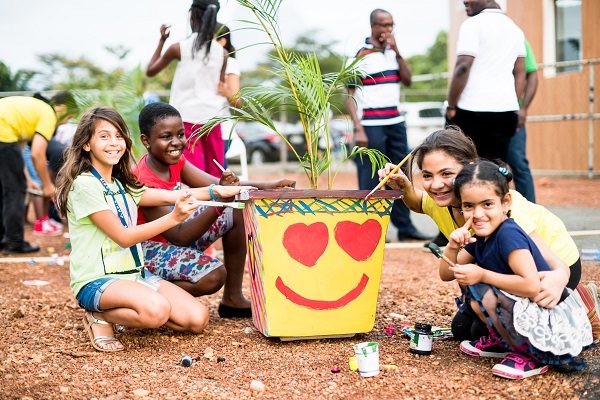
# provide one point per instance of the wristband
(219, 213)
(451, 108)
(210, 191)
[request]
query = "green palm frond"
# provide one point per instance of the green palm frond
(298, 86)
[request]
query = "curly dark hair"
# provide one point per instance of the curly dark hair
(154, 112)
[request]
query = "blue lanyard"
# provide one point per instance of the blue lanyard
(121, 216)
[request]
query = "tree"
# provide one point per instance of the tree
(434, 61)
(305, 45)
(17, 82)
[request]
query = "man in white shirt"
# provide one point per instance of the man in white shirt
(488, 78)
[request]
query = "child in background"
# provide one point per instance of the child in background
(440, 157)
(99, 195)
(230, 87)
(194, 91)
(498, 271)
(179, 254)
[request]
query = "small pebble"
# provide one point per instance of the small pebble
(257, 386)
(335, 370)
(220, 359)
(186, 361)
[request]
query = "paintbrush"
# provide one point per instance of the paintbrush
(439, 253)
(387, 178)
(231, 204)
(219, 165)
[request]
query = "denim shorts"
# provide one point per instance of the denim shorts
(89, 295)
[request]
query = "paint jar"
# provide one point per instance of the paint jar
(421, 339)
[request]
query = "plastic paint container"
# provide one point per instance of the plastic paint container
(421, 339)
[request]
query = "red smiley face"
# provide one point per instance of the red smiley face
(307, 243)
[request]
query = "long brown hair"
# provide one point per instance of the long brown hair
(78, 161)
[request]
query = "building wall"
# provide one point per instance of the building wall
(563, 145)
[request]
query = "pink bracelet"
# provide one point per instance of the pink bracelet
(219, 213)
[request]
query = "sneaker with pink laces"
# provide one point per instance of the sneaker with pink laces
(487, 346)
(518, 366)
(43, 227)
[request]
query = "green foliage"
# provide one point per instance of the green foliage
(300, 86)
(127, 98)
(434, 61)
(17, 82)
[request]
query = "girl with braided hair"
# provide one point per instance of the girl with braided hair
(497, 268)
(195, 88)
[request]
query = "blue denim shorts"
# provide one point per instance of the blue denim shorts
(89, 295)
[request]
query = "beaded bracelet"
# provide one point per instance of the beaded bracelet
(210, 191)
(219, 213)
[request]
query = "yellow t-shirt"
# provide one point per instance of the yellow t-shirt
(22, 117)
(529, 216)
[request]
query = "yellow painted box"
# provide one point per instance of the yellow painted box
(315, 260)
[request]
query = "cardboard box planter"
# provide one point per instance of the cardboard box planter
(315, 258)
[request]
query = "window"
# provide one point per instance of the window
(568, 32)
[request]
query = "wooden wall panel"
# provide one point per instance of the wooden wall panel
(561, 145)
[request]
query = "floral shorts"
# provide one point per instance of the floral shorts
(175, 263)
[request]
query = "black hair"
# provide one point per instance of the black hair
(223, 32)
(452, 141)
(154, 112)
(375, 13)
(484, 171)
(203, 20)
(67, 99)
(63, 97)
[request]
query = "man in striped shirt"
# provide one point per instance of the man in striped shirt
(373, 107)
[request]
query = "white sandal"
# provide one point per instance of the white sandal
(99, 341)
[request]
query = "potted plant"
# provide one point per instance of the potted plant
(314, 256)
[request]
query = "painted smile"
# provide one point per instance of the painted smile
(321, 304)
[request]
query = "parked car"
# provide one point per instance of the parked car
(264, 145)
(422, 118)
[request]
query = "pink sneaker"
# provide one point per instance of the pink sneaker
(487, 346)
(518, 366)
(55, 223)
(43, 227)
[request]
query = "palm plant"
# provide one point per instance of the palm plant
(127, 98)
(299, 87)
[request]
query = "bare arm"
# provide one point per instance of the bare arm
(462, 69)
(531, 84)
(520, 77)
(157, 62)
(39, 144)
(125, 237)
(552, 282)
(399, 181)
(186, 232)
(231, 89)
(160, 197)
(360, 137)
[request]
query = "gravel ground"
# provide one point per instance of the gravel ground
(45, 353)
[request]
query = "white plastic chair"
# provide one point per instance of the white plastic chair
(237, 148)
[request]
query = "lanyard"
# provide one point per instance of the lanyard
(121, 216)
